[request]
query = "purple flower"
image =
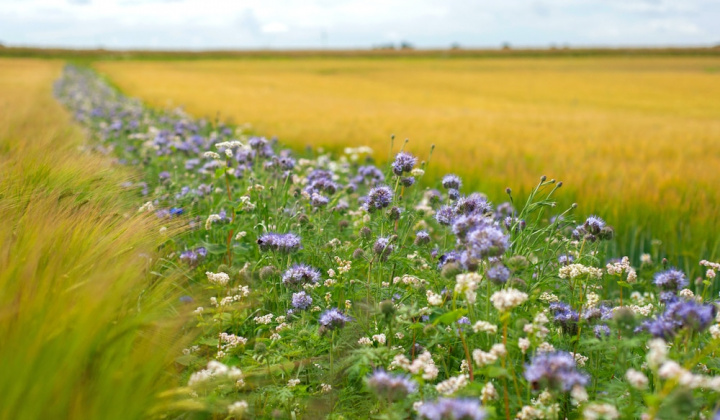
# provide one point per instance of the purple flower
(393, 387)
(333, 318)
(300, 274)
(566, 259)
(498, 274)
(556, 370)
(445, 215)
(672, 279)
(474, 204)
(693, 315)
(317, 200)
(378, 198)
(453, 194)
(565, 316)
(452, 409)
(451, 182)
(601, 331)
(407, 181)
(301, 300)
(422, 237)
(284, 243)
(404, 162)
(383, 247)
(487, 241)
(594, 224)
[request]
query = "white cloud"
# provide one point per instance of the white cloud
(356, 23)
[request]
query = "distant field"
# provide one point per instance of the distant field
(635, 139)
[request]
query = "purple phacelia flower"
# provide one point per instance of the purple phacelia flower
(672, 279)
(300, 274)
(556, 370)
(404, 162)
(498, 274)
(283, 243)
(452, 409)
(301, 300)
(451, 182)
(334, 318)
(445, 215)
(383, 247)
(378, 198)
(391, 386)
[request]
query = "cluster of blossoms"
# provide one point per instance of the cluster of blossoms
(410, 271)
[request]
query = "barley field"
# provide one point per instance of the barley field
(635, 139)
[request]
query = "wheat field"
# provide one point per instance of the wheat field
(636, 139)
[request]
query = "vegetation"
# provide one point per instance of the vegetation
(635, 139)
(327, 286)
(87, 330)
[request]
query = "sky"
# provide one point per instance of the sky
(280, 24)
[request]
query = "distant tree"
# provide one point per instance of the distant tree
(455, 46)
(506, 46)
(405, 45)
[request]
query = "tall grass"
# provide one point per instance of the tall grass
(87, 329)
(632, 138)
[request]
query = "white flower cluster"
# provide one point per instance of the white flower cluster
(452, 384)
(484, 326)
(596, 411)
(467, 284)
(579, 358)
(235, 296)
(424, 365)
(211, 155)
(672, 370)
(636, 379)
(220, 279)
(214, 370)
(642, 310)
(537, 328)
(292, 383)
(265, 319)
(238, 408)
(434, 299)
(549, 297)
(246, 204)
(616, 269)
(715, 331)
(523, 344)
(212, 219)
(507, 299)
(488, 393)
(147, 207)
(343, 265)
(379, 338)
(483, 358)
(410, 280)
(574, 271)
(657, 353)
(325, 388)
(231, 341)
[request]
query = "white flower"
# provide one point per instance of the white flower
(212, 219)
(467, 284)
(483, 358)
(549, 297)
(293, 382)
(505, 300)
(646, 259)
(199, 310)
(636, 379)
(657, 353)
(237, 408)
(452, 385)
(147, 207)
(433, 299)
(579, 394)
(529, 413)
(573, 271)
(545, 347)
(488, 393)
(715, 331)
(484, 326)
(686, 293)
(364, 341)
(380, 338)
(579, 359)
(221, 279)
(211, 155)
(596, 411)
(423, 364)
(265, 319)
(325, 388)
(523, 344)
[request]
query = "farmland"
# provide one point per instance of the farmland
(635, 139)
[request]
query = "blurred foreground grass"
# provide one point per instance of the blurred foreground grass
(634, 139)
(86, 330)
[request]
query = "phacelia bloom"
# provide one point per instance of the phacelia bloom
(693, 315)
(453, 194)
(333, 318)
(378, 198)
(594, 225)
(284, 243)
(383, 247)
(407, 181)
(422, 237)
(445, 215)
(556, 370)
(451, 181)
(475, 203)
(672, 279)
(601, 331)
(487, 241)
(318, 200)
(452, 409)
(566, 259)
(300, 274)
(301, 300)
(404, 162)
(498, 274)
(392, 387)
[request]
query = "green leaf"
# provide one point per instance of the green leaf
(497, 372)
(450, 317)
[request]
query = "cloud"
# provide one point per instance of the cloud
(274, 28)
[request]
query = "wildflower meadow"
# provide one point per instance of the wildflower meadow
(353, 285)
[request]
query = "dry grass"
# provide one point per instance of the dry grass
(635, 139)
(86, 331)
